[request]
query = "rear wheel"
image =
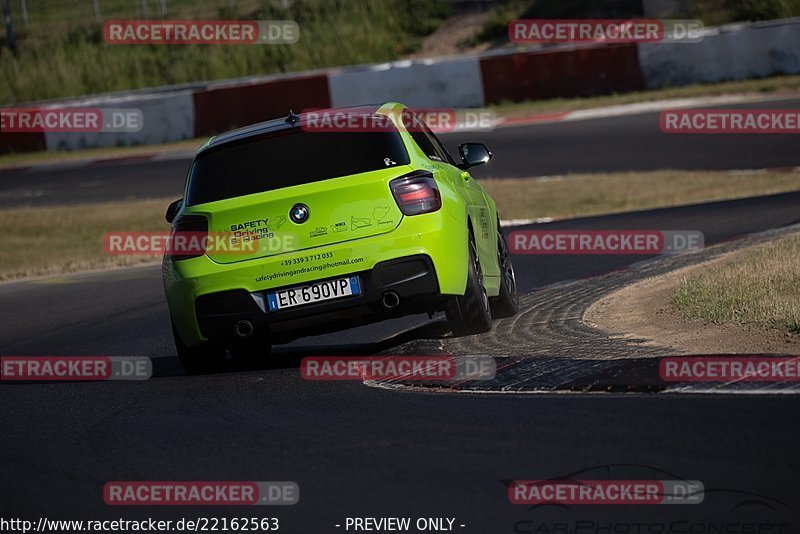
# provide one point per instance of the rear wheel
(205, 358)
(506, 303)
(470, 314)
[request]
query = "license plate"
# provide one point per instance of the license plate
(318, 292)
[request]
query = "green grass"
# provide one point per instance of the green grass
(36, 246)
(760, 289)
(33, 245)
(63, 53)
(579, 195)
(711, 12)
(715, 12)
(763, 86)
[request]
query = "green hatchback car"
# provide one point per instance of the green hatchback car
(343, 228)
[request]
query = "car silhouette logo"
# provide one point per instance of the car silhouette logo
(299, 213)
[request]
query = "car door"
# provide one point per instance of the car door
(471, 190)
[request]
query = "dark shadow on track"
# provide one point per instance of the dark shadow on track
(289, 358)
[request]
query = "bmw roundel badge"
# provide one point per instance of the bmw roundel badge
(299, 213)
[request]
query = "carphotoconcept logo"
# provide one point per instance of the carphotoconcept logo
(623, 498)
(203, 32)
(605, 241)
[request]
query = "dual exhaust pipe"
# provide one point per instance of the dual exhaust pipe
(244, 328)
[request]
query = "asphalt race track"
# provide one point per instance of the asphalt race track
(361, 451)
(625, 143)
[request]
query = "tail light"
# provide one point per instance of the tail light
(188, 238)
(416, 193)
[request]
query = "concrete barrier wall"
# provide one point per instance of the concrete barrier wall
(166, 117)
(424, 84)
(727, 53)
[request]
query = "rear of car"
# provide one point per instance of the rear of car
(343, 228)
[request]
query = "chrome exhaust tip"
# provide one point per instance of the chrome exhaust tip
(390, 300)
(244, 328)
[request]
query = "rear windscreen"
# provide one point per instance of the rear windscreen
(288, 158)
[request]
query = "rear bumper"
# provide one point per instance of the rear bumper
(413, 279)
(424, 260)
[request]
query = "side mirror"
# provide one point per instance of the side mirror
(473, 154)
(173, 209)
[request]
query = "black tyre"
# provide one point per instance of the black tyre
(470, 314)
(506, 303)
(205, 358)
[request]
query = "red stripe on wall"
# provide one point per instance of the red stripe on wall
(21, 142)
(218, 109)
(565, 73)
